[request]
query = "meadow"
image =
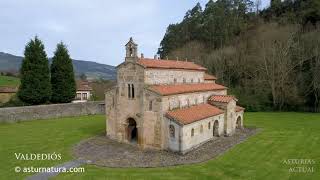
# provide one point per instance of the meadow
(267, 155)
(9, 81)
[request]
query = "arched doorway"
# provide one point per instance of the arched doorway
(132, 131)
(238, 123)
(216, 128)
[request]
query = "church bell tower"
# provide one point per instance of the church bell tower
(131, 51)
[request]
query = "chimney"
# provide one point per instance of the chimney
(142, 56)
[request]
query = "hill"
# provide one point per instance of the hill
(92, 70)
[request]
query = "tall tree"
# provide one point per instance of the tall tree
(62, 76)
(35, 85)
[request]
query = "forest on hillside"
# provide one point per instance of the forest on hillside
(269, 59)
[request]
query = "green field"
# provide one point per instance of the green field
(284, 136)
(9, 81)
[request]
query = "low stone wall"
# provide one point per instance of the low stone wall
(26, 113)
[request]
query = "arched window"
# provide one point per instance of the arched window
(209, 125)
(192, 132)
(132, 86)
(172, 131)
(201, 128)
(130, 91)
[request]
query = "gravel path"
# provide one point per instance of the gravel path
(102, 151)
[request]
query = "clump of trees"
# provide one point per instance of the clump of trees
(62, 76)
(269, 62)
(215, 26)
(35, 87)
(38, 85)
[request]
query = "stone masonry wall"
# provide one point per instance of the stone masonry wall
(27, 113)
(165, 76)
(188, 99)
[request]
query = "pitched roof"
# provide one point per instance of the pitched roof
(185, 88)
(8, 90)
(83, 86)
(194, 113)
(239, 108)
(222, 98)
(209, 77)
(169, 64)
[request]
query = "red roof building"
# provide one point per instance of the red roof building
(8, 90)
(239, 108)
(194, 113)
(209, 77)
(168, 104)
(222, 98)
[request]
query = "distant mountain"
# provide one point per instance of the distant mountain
(92, 70)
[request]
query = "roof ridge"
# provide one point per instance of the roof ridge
(169, 64)
(222, 98)
(171, 89)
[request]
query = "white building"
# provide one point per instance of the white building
(84, 92)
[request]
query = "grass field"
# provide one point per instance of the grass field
(284, 136)
(9, 81)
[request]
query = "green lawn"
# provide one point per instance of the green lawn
(284, 136)
(9, 81)
(43, 136)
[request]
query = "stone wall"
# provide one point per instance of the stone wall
(188, 142)
(188, 99)
(121, 107)
(26, 113)
(165, 76)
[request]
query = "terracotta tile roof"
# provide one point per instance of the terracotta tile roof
(169, 64)
(222, 98)
(185, 88)
(209, 77)
(8, 90)
(239, 108)
(194, 113)
(83, 86)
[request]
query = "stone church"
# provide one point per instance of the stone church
(168, 104)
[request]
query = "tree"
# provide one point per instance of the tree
(35, 85)
(62, 76)
(83, 77)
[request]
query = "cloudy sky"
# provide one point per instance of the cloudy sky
(94, 30)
